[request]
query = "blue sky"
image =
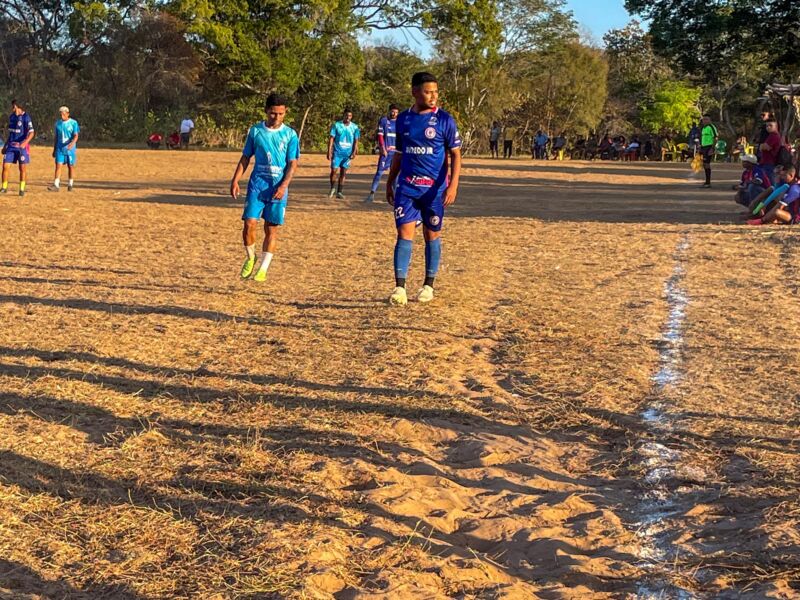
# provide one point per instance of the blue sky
(598, 16)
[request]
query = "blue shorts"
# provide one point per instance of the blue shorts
(410, 206)
(261, 205)
(17, 155)
(385, 162)
(65, 157)
(340, 161)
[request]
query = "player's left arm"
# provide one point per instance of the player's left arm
(455, 174)
(28, 137)
(74, 139)
(354, 153)
(292, 156)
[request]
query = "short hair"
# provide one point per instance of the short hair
(421, 77)
(393, 106)
(17, 103)
(63, 109)
(275, 99)
(789, 168)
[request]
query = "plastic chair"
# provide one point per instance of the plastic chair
(721, 149)
(670, 151)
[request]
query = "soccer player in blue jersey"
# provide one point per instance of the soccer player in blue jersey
(342, 148)
(15, 150)
(277, 150)
(64, 152)
(426, 166)
(386, 146)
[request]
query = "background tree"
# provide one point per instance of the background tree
(673, 108)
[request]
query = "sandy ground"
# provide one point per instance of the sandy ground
(168, 431)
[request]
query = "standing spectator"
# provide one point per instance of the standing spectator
(708, 146)
(766, 116)
(540, 145)
(606, 147)
(494, 139)
(647, 149)
(559, 144)
(770, 148)
(508, 141)
(187, 126)
(694, 139)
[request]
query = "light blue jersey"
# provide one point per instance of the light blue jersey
(273, 149)
(65, 131)
(344, 136)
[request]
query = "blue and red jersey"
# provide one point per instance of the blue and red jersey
(387, 133)
(19, 126)
(424, 140)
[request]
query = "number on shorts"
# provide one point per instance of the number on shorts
(398, 212)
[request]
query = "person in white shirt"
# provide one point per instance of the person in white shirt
(187, 126)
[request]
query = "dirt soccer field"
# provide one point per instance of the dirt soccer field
(603, 401)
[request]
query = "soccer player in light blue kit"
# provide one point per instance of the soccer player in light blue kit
(342, 148)
(64, 141)
(277, 150)
(428, 146)
(386, 144)
(15, 150)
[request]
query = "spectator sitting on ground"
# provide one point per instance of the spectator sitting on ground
(777, 183)
(618, 147)
(174, 140)
(154, 141)
(782, 204)
(753, 181)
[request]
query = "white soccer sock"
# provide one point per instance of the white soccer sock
(266, 258)
(57, 182)
(69, 183)
(251, 251)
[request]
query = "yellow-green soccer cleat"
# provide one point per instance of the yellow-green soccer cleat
(425, 294)
(398, 297)
(260, 276)
(247, 267)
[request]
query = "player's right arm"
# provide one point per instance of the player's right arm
(394, 171)
(241, 167)
(247, 153)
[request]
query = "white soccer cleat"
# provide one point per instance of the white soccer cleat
(398, 297)
(425, 294)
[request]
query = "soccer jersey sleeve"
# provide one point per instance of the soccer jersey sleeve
(452, 139)
(791, 196)
(293, 148)
(356, 132)
(75, 128)
(27, 124)
(333, 130)
(249, 144)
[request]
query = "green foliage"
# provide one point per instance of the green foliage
(673, 108)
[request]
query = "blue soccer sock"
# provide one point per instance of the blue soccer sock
(433, 254)
(376, 181)
(402, 260)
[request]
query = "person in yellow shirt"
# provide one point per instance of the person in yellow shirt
(508, 141)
